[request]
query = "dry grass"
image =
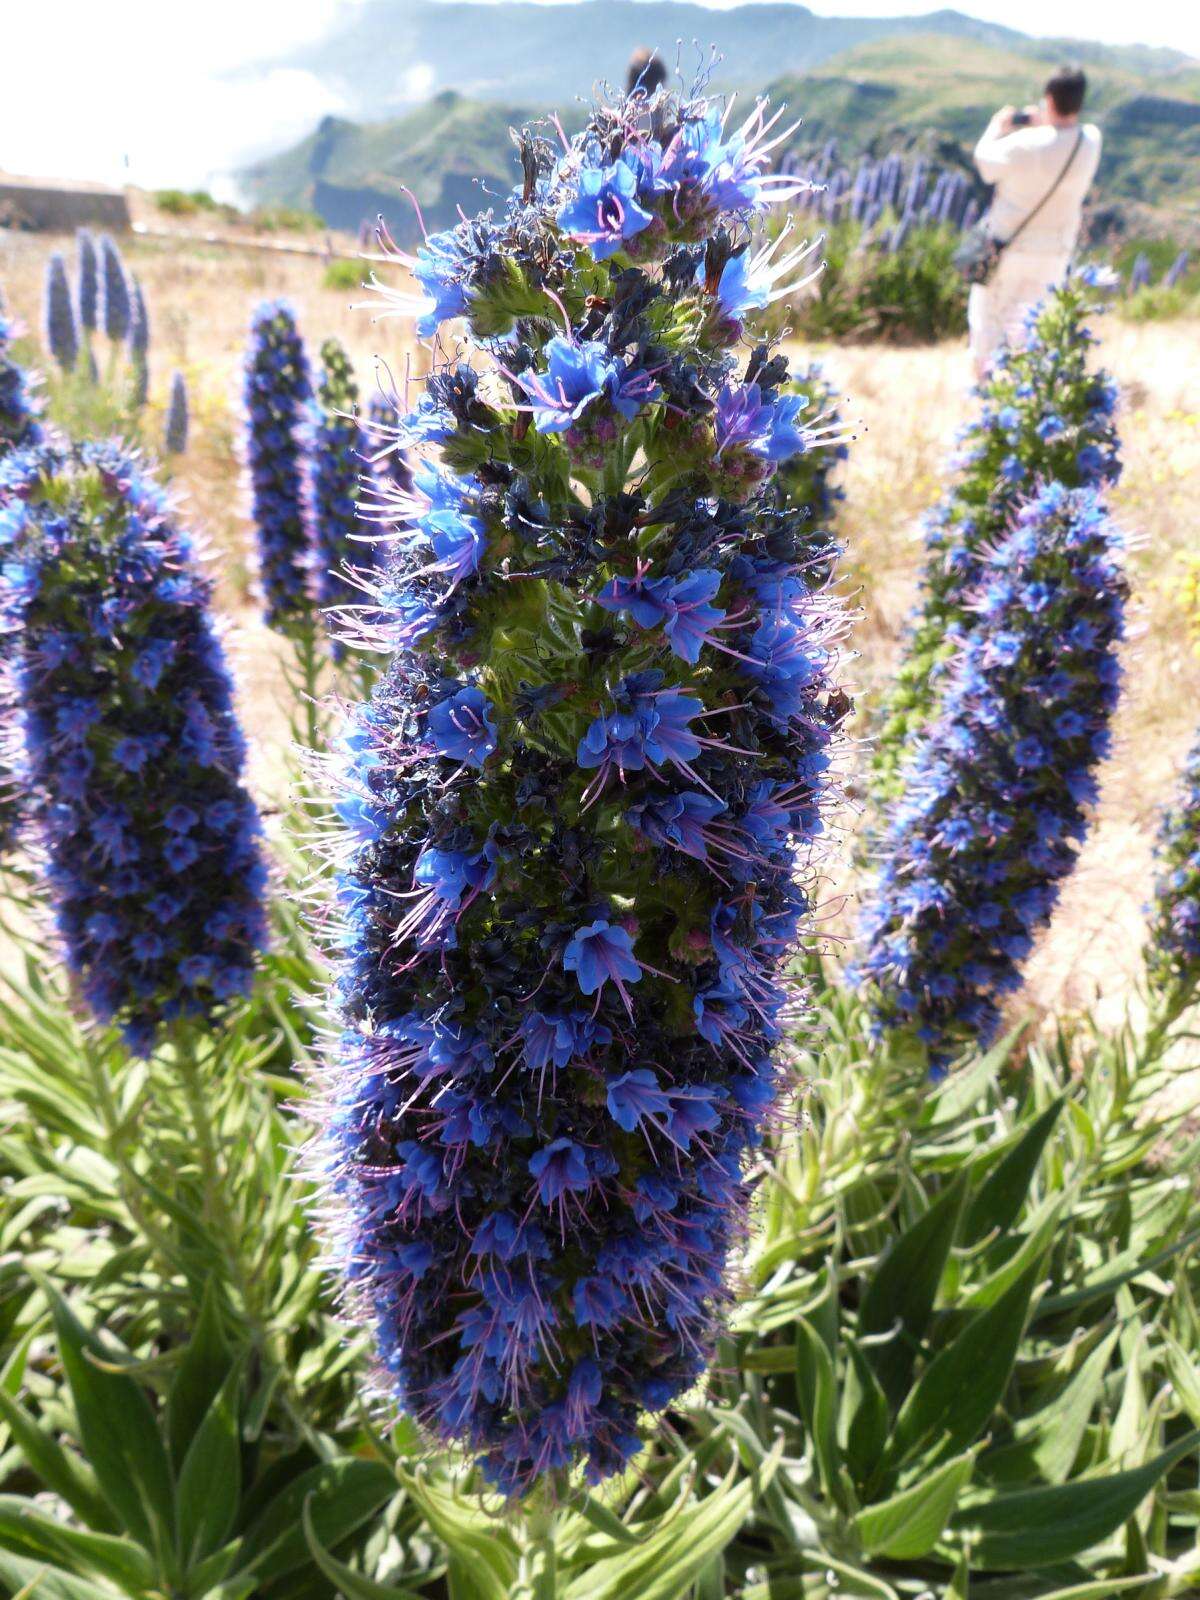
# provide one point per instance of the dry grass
(910, 403)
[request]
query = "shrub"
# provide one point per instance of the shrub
(1045, 417)
(994, 798)
(277, 390)
(893, 286)
(973, 1330)
(284, 219)
(578, 799)
(343, 275)
(157, 885)
(58, 314)
(185, 203)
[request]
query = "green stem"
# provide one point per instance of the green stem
(537, 1576)
(223, 1224)
(117, 1148)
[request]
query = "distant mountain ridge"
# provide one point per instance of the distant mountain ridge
(890, 84)
(386, 54)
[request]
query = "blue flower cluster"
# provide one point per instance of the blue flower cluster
(1045, 417)
(579, 811)
(19, 408)
(276, 393)
(340, 453)
(88, 282)
(890, 189)
(997, 793)
(58, 314)
(132, 751)
(1173, 958)
(176, 433)
(139, 345)
(115, 307)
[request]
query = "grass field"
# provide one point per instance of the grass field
(909, 401)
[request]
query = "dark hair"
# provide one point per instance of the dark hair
(1066, 88)
(646, 71)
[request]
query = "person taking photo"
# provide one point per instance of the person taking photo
(1042, 161)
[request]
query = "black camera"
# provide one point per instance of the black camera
(1021, 119)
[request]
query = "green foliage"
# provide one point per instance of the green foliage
(970, 1304)
(343, 274)
(187, 202)
(868, 293)
(284, 219)
(1161, 302)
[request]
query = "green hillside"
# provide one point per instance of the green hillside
(931, 91)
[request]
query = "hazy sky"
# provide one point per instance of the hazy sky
(156, 92)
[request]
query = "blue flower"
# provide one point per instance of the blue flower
(560, 1168)
(636, 1095)
(599, 952)
(441, 269)
(604, 211)
(679, 605)
(768, 426)
(578, 374)
(462, 727)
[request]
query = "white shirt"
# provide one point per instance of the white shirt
(1023, 164)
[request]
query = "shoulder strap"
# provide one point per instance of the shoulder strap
(1062, 174)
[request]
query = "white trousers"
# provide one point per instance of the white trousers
(996, 310)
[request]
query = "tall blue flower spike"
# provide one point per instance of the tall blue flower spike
(277, 390)
(580, 810)
(131, 753)
(996, 797)
(115, 306)
(58, 314)
(1045, 416)
(1173, 958)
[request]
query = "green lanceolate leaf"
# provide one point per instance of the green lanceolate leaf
(1039, 1527)
(899, 1298)
(341, 1496)
(353, 1585)
(210, 1480)
(674, 1555)
(816, 1387)
(997, 1203)
(34, 1580)
(910, 1524)
(202, 1370)
(483, 1557)
(955, 1397)
(118, 1430)
(25, 1529)
(1043, 1226)
(864, 1421)
(1046, 1444)
(59, 1470)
